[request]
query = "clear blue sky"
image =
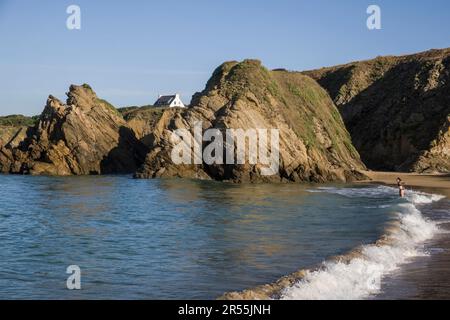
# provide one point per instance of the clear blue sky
(129, 51)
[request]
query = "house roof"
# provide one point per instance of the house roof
(164, 100)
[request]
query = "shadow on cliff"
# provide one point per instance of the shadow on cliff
(395, 119)
(127, 156)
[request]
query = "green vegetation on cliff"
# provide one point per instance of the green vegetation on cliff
(148, 111)
(18, 120)
(303, 104)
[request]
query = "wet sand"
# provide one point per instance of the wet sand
(426, 277)
(436, 183)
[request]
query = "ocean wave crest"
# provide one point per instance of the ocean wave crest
(360, 276)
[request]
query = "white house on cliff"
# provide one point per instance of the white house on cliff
(173, 101)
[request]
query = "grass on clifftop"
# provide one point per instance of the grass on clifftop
(18, 120)
(147, 112)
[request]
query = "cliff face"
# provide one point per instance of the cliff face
(142, 120)
(12, 135)
(84, 136)
(313, 142)
(396, 109)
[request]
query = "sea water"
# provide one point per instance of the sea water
(168, 239)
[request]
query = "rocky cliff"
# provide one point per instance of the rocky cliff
(86, 135)
(397, 109)
(313, 142)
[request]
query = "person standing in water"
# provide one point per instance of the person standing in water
(401, 188)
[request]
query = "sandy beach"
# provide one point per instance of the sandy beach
(439, 183)
(426, 277)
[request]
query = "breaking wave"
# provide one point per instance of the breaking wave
(358, 275)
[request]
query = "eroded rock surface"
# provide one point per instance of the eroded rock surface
(86, 135)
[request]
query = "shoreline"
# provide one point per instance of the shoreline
(427, 182)
(420, 277)
(420, 182)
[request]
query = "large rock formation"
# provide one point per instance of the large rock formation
(313, 142)
(84, 136)
(397, 109)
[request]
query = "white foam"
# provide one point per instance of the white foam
(366, 192)
(361, 277)
(415, 197)
(423, 198)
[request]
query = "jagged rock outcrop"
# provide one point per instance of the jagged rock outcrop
(396, 109)
(313, 142)
(142, 120)
(84, 136)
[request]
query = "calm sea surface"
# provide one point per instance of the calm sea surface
(167, 239)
